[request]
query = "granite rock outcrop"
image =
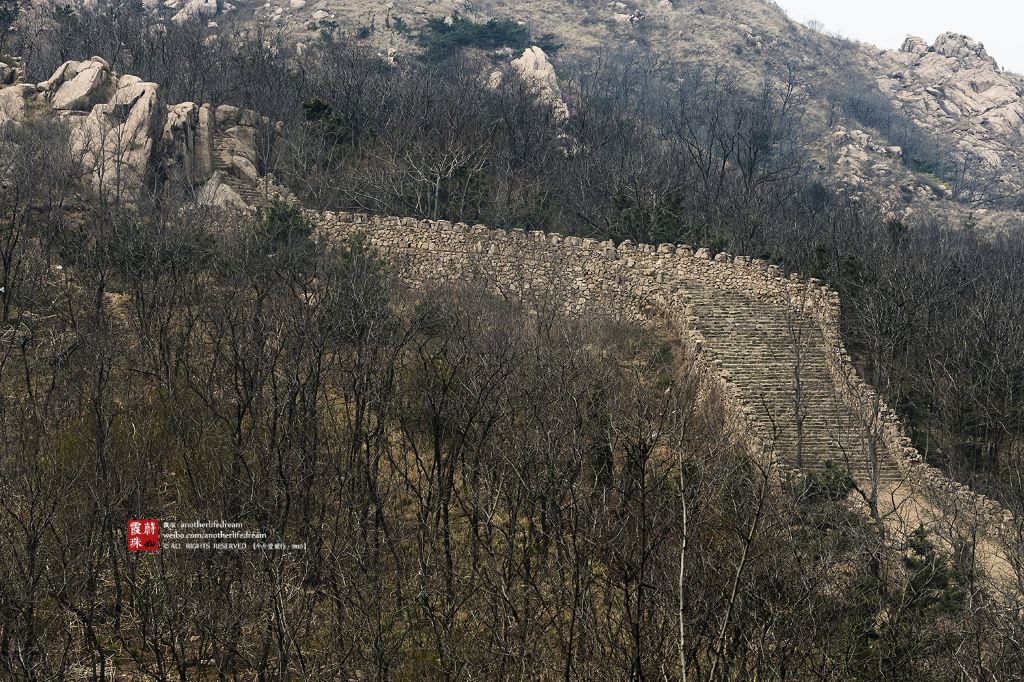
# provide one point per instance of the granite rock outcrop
(128, 139)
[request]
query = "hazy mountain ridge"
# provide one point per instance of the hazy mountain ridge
(955, 115)
(928, 125)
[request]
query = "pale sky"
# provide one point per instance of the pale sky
(996, 23)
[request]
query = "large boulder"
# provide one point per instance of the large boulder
(235, 146)
(534, 68)
(14, 101)
(78, 86)
(961, 47)
(116, 140)
(955, 92)
(126, 138)
(914, 45)
(187, 144)
(238, 151)
(196, 9)
(218, 193)
(955, 83)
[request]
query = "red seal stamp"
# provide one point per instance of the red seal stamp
(143, 535)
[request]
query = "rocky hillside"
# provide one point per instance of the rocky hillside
(956, 90)
(928, 126)
(126, 138)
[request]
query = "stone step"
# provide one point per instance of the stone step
(222, 161)
(760, 346)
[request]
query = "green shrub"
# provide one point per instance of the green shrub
(357, 299)
(832, 484)
(917, 165)
(399, 25)
(548, 42)
(932, 583)
(319, 114)
(442, 39)
(283, 227)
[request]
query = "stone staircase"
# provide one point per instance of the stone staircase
(760, 346)
(222, 153)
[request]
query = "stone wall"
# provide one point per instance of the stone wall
(636, 282)
(953, 497)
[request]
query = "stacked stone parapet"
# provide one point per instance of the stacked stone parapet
(638, 281)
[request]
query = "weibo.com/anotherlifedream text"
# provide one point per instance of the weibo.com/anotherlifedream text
(219, 535)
